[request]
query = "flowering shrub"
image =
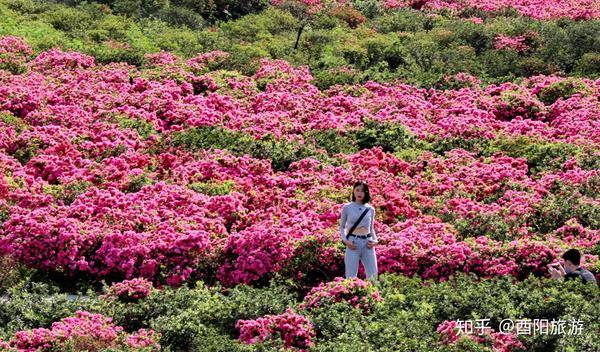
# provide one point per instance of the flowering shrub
(498, 341)
(162, 58)
(508, 103)
(84, 331)
(449, 333)
(359, 293)
(254, 252)
(517, 43)
(129, 290)
(578, 10)
(295, 330)
(49, 61)
(97, 184)
(207, 61)
(14, 53)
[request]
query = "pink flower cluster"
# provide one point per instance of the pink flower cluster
(201, 62)
(144, 339)
(85, 193)
(14, 51)
(288, 106)
(295, 330)
(162, 58)
(86, 331)
(450, 334)
(516, 43)
(106, 231)
(546, 9)
(255, 252)
(359, 293)
(129, 290)
(430, 250)
(49, 61)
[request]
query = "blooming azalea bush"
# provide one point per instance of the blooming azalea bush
(361, 294)
(450, 333)
(14, 53)
(129, 290)
(126, 251)
(295, 330)
(254, 252)
(203, 318)
(92, 332)
(122, 173)
(546, 10)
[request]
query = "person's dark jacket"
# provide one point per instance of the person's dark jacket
(585, 275)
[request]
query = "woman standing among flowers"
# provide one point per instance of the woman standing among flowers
(361, 239)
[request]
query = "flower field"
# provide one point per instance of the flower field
(195, 204)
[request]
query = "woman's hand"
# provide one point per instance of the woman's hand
(350, 244)
(371, 244)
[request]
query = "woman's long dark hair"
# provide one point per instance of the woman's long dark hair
(367, 197)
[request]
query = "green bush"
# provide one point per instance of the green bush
(222, 10)
(475, 35)
(67, 193)
(25, 6)
(8, 118)
(177, 313)
(400, 44)
(272, 20)
(68, 19)
(280, 152)
(369, 8)
(143, 128)
(325, 79)
(563, 89)
(212, 188)
(181, 16)
(540, 155)
(139, 8)
(501, 64)
(178, 41)
(203, 319)
(246, 302)
(34, 305)
(589, 65)
(461, 59)
(390, 136)
(24, 153)
(406, 20)
(584, 37)
(332, 141)
(565, 202)
(338, 320)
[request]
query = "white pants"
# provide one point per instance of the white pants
(362, 253)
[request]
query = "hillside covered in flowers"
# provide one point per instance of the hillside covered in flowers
(192, 200)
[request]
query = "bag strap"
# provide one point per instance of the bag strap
(357, 222)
